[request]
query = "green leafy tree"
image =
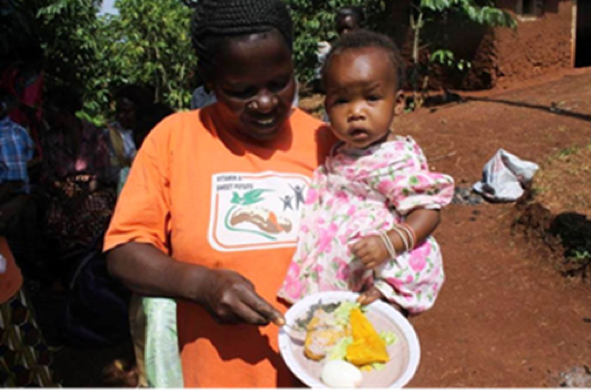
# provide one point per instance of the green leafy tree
(314, 21)
(146, 43)
(68, 30)
(153, 47)
(428, 12)
(62, 37)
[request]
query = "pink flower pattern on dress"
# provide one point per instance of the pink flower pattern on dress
(418, 257)
(349, 199)
(312, 196)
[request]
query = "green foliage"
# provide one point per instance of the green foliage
(314, 22)
(153, 47)
(148, 42)
(482, 12)
(68, 31)
(447, 57)
(78, 46)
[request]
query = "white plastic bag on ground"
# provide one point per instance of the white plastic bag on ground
(504, 177)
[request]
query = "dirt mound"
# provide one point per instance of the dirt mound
(557, 210)
(562, 184)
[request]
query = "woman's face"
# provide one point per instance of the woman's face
(254, 83)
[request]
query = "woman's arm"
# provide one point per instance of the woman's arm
(227, 296)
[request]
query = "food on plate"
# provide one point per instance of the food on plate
(341, 374)
(323, 333)
(367, 347)
(343, 332)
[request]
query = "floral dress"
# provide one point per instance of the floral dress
(355, 194)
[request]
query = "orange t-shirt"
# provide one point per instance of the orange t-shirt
(206, 197)
(11, 279)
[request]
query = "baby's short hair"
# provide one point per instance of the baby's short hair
(360, 39)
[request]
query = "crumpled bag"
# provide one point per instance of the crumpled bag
(505, 177)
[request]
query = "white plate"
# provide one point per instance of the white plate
(404, 354)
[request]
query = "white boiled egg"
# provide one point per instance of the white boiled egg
(341, 375)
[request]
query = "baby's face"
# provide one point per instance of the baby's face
(361, 95)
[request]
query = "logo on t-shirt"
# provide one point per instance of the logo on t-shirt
(256, 211)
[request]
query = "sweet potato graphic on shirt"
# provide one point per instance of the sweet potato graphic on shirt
(247, 209)
(264, 219)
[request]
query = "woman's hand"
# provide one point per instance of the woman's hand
(227, 295)
(230, 298)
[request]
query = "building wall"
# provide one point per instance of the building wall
(538, 45)
(500, 55)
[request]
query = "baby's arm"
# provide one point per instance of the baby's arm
(372, 251)
(417, 194)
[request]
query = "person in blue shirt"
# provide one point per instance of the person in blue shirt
(18, 212)
(16, 149)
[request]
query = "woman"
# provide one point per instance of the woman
(210, 211)
(75, 175)
(26, 358)
(131, 103)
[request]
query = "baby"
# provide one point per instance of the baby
(372, 206)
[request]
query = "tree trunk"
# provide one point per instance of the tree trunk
(416, 27)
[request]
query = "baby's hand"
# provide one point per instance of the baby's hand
(372, 294)
(369, 296)
(371, 251)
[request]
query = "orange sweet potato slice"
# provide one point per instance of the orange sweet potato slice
(367, 346)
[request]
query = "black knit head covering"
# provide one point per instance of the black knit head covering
(216, 20)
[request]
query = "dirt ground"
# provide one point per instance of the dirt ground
(505, 317)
